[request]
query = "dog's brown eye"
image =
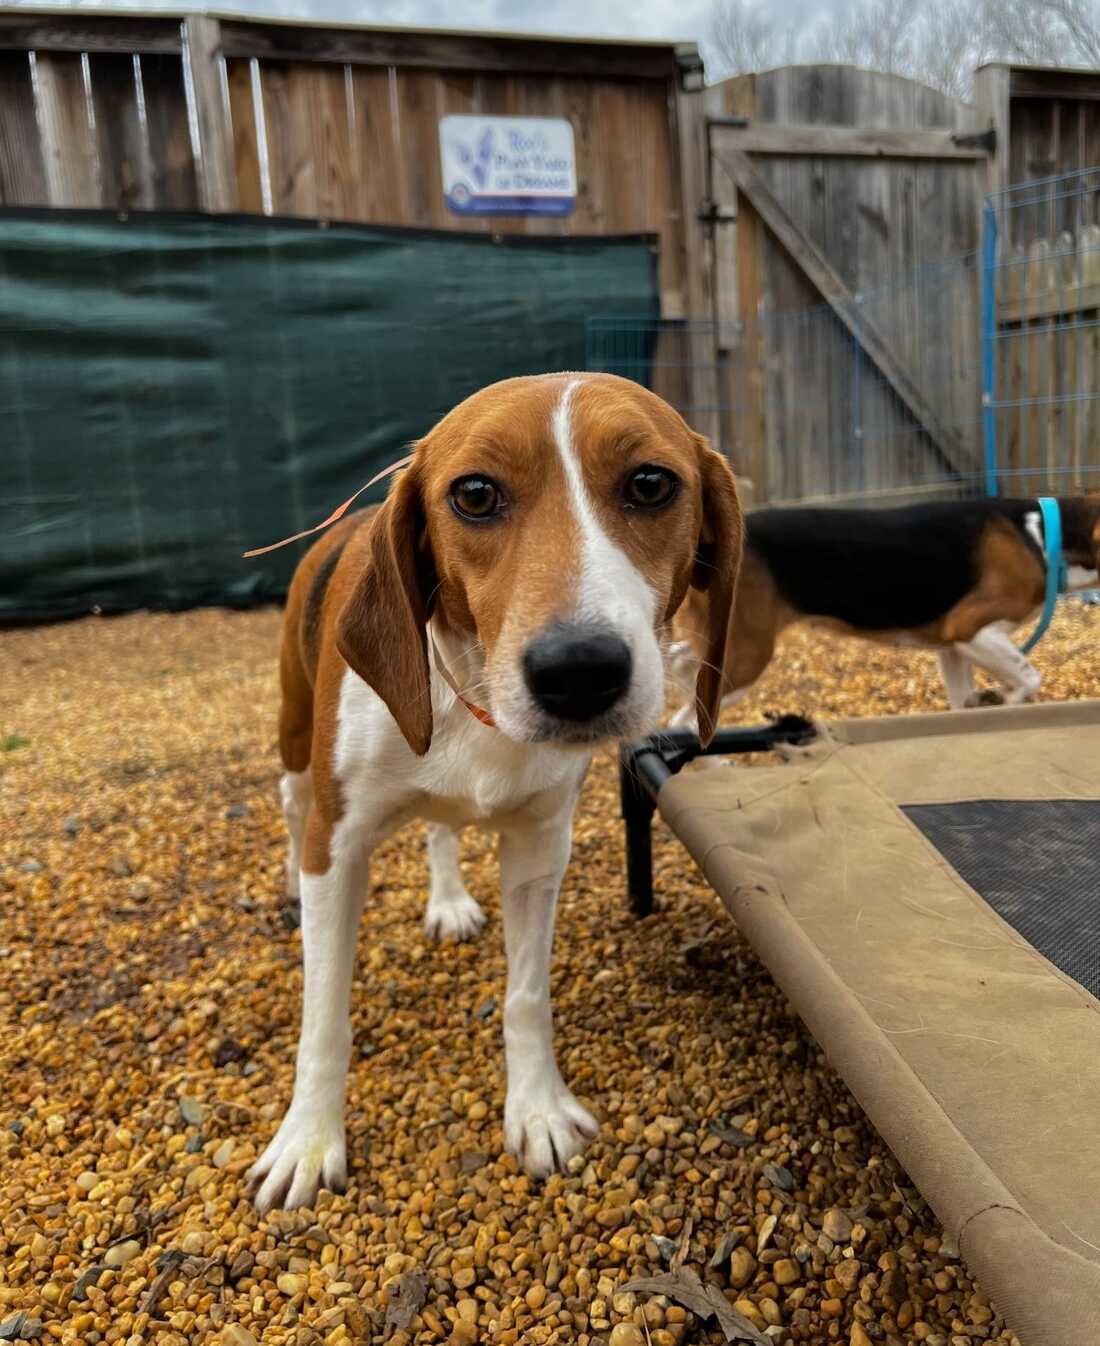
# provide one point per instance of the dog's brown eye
(651, 487)
(475, 497)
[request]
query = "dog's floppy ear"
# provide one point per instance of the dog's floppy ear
(1096, 544)
(382, 631)
(717, 566)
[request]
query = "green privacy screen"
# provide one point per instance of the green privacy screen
(175, 390)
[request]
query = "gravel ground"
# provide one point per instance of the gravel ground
(150, 1000)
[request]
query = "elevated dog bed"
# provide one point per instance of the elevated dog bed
(926, 891)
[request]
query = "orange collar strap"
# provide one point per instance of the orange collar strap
(445, 673)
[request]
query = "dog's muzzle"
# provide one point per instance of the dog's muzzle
(577, 672)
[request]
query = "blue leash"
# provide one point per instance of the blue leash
(1056, 568)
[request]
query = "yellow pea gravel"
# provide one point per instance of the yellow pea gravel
(149, 1005)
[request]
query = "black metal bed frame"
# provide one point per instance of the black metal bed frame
(644, 767)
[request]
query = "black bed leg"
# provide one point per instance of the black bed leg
(638, 807)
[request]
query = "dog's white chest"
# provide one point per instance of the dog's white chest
(472, 774)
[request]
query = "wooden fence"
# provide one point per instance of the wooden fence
(830, 358)
(852, 351)
(339, 123)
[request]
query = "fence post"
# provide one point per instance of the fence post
(217, 171)
(989, 346)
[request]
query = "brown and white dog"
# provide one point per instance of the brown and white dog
(953, 576)
(539, 544)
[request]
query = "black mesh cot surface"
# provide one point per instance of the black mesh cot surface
(1037, 864)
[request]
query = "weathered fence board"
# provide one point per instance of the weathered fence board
(848, 142)
(68, 143)
(175, 183)
(122, 142)
(22, 174)
(854, 187)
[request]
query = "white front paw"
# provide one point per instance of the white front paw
(545, 1127)
(457, 917)
(307, 1153)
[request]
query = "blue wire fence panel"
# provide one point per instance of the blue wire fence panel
(1042, 336)
(998, 352)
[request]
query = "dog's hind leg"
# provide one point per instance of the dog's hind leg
(296, 791)
(295, 748)
(957, 672)
(993, 650)
(309, 1148)
(452, 913)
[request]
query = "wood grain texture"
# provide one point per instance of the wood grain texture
(246, 133)
(175, 174)
(832, 423)
(217, 175)
(744, 394)
(282, 168)
(450, 51)
(70, 153)
(823, 276)
(380, 195)
(336, 186)
(1033, 82)
(695, 267)
(1048, 370)
(22, 172)
(853, 142)
(84, 33)
(991, 100)
(125, 158)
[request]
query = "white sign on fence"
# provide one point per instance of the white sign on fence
(508, 165)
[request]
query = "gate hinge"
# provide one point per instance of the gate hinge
(712, 213)
(976, 140)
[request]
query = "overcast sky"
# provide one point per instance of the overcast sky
(682, 19)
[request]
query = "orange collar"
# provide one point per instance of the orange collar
(445, 673)
(476, 711)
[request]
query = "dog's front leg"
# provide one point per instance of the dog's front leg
(544, 1125)
(309, 1149)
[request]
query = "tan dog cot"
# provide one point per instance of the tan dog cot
(926, 891)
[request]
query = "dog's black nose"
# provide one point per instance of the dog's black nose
(576, 672)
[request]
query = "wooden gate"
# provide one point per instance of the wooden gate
(846, 217)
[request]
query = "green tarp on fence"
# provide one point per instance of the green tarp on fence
(175, 390)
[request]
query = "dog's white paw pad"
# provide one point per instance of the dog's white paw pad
(545, 1136)
(302, 1158)
(455, 918)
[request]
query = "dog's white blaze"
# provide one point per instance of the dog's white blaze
(611, 590)
(609, 583)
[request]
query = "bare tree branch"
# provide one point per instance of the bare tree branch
(939, 42)
(745, 35)
(1081, 22)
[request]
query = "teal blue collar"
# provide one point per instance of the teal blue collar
(1056, 568)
